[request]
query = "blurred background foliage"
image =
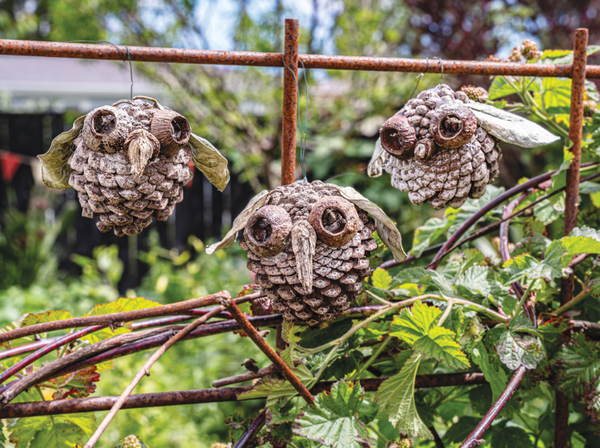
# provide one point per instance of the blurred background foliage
(239, 109)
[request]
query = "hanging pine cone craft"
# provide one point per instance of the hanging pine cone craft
(441, 147)
(129, 163)
(309, 245)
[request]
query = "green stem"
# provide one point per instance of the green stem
(372, 358)
(519, 306)
(374, 428)
(574, 301)
(446, 313)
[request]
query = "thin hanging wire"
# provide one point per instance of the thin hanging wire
(441, 70)
(418, 78)
(303, 131)
(126, 57)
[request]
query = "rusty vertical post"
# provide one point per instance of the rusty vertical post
(290, 102)
(578, 69)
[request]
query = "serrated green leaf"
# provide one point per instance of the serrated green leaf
(424, 277)
(48, 316)
(418, 327)
(121, 305)
(460, 430)
(333, 419)
(42, 432)
(429, 232)
(511, 437)
(578, 364)
(396, 398)
(481, 280)
(496, 378)
(381, 279)
(515, 350)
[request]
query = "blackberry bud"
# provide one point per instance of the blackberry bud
(515, 55)
(475, 93)
(530, 51)
(589, 108)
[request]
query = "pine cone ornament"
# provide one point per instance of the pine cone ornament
(129, 163)
(309, 244)
(441, 147)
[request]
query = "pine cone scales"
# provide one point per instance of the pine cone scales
(436, 150)
(121, 172)
(338, 265)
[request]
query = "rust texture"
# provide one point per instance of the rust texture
(575, 130)
(113, 319)
(290, 103)
(77, 405)
(474, 438)
(249, 58)
(142, 54)
(267, 350)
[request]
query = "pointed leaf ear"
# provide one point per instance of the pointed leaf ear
(386, 229)
(240, 222)
(375, 167)
(209, 161)
(511, 128)
(55, 163)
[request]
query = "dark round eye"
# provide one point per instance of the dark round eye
(267, 231)
(398, 137)
(452, 127)
(105, 129)
(335, 220)
(172, 131)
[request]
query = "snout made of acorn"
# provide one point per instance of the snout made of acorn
(451, 126)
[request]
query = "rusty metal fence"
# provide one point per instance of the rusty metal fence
(289, 61)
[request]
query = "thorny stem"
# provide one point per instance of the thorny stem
(145, 371)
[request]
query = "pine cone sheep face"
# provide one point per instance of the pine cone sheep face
(437, 151)
(130, 164)
(309, 248)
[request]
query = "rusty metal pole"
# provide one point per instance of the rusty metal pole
(290, 103)
(290, 117)
(578, 71)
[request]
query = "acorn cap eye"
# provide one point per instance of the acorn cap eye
(267, 231)
(335, 220)
(398, 137)
(172, 131)
(453, 126)
(105, 129)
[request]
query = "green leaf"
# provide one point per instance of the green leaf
(460, 430)
(396, 398)
(481, 280)
(424, 277)
(121, 305)
(45, 432)
(429, 232)
(48, 316)
(515, 350)
(511, 437)
(501, 88)
(578, 364)
(381, 279)
(333, 419)
(496, 378)
(418, 327)
(78, 384)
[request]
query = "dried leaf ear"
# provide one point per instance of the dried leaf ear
(511, 128)
(240, 222)
(209, 161)
(375, 168)
(55, 163)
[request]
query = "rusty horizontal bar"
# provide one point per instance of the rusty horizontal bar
(90, 404)
(256, 59)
